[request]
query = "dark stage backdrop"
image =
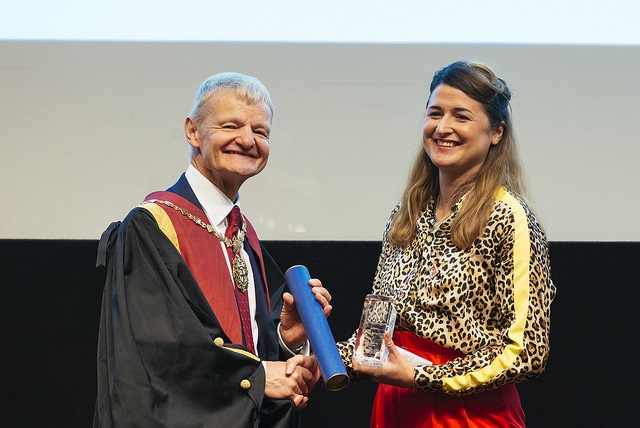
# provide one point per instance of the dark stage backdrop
(50, 304)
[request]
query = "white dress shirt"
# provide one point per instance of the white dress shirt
(217, 206)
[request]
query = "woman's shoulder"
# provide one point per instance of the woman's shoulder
(510, 205)
(511, 201)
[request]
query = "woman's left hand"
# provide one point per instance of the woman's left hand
(397, 370)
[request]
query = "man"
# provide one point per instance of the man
(188, 332)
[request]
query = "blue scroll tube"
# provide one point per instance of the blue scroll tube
(317, 328)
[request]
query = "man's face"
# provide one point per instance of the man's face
(231, 141)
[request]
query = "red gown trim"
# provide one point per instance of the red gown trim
(203, 254)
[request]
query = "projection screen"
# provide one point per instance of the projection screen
(94, 96)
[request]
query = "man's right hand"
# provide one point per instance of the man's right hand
(296, 385)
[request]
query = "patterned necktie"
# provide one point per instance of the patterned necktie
(234, 224)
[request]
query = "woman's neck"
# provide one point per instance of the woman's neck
(447, 198)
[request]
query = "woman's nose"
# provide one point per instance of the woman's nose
(444, 125)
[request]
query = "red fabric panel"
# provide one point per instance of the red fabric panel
(396, 407)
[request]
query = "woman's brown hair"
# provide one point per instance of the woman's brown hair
(500, 168)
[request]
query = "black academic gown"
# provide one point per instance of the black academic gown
(158, 364)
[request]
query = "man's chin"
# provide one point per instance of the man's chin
(246, 172)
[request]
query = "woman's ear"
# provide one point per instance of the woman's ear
(496, 135)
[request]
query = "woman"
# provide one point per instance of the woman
(467, 266)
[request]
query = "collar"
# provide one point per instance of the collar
(215, 204)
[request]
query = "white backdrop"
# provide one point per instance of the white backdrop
(613, 22)
(89, 128)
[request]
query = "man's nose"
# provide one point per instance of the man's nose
(246, 137)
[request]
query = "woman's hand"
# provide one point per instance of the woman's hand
(397, 370)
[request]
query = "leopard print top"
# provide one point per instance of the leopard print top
(491, 301)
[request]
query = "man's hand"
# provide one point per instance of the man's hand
(293, 379)
(308, 362)
(291, 327)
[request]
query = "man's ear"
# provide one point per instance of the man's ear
(191, 132)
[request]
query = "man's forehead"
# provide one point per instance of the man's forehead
(231, 99)
(237, 109)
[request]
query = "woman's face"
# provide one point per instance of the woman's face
(457, 133)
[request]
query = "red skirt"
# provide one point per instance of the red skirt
(396, 407)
